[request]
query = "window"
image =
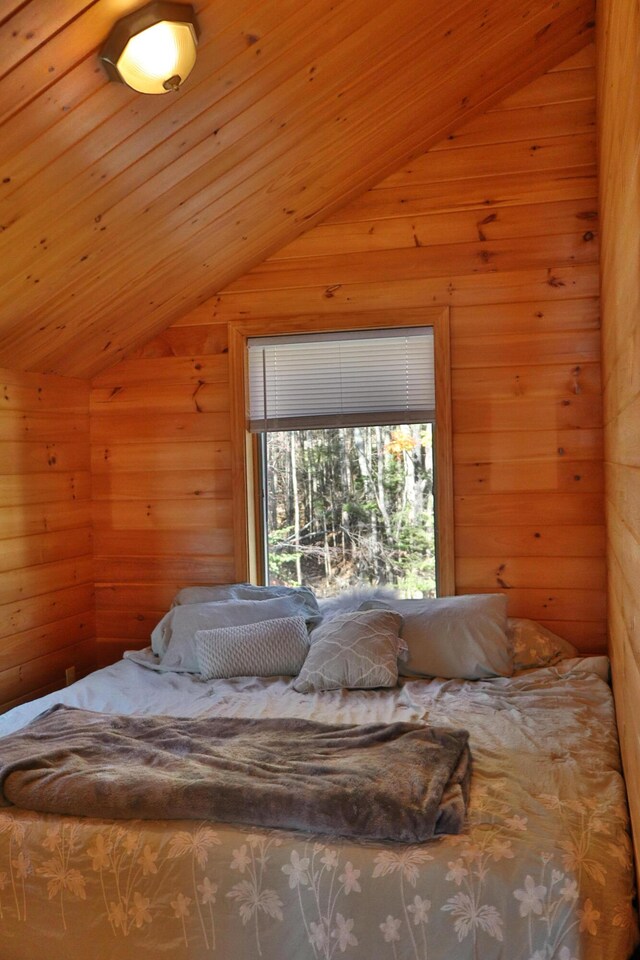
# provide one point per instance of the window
(386, 420)
(344, 421)
(349, 463)
(350, 506)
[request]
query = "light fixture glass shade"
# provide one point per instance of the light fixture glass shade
(152, 58)
(153, 50)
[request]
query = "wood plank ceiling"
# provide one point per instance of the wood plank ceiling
(119, 212)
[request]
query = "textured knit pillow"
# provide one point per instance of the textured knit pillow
(272, 648)
(353, 650)
(454, 637)
(535, 646)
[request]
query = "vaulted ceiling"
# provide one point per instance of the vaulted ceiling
(121, 212)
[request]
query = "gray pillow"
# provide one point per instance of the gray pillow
(249, 591)
(535, 646)
(351, 600)
(173, 640)
(454, 637)
(270, 648)
(211, 593)
(355, 651)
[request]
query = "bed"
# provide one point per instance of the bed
(542, 870)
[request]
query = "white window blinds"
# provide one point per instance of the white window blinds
(351, 378)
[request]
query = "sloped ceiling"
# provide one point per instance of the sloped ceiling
(119, 212)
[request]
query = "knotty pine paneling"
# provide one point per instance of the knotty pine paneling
(46, 558)
(121, 212)
(619, 135)
(161, 462)
(499, 223)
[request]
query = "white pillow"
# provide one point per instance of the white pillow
(173, 640)
(270, 648)
(454, 637)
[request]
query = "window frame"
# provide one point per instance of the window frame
(245, 465)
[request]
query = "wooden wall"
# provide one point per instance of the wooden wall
(500, 223)
(46, 567)
(619, 125)
(161, 462)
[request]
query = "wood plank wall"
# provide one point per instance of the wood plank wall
(161, 462)
(46, 566)
(499, 223)
(619, 128)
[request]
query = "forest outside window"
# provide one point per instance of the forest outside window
(345, 435)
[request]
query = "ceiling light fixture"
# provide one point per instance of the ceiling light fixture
(153, 49)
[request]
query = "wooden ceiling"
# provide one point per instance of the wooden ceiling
(121, 212)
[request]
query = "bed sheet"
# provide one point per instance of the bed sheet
(543, 872)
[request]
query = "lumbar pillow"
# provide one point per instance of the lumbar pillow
(249, 591)
(270, 648)
(454, 637)
(353, 650)
(173, 640)
(535, 646)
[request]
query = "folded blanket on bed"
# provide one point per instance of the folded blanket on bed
(397, 781)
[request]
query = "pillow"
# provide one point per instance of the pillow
(249, 591)
(353, 650)
(270, 648)
(349, 601)
(535, 646)
(454, 637)
(173, 640)
(209, 594)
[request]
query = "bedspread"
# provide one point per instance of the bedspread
(543, 871)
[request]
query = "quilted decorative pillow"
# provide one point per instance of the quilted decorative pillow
(355, 651)
(454, 637)
(535, 646)
(272, 648)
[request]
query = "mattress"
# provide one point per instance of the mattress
(542, 872)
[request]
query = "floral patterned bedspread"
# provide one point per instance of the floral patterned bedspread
(543, 872)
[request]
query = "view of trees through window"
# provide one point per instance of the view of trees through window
(351, 506)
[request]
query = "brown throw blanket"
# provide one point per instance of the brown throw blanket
(397, 781)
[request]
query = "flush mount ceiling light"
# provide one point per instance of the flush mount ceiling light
(153, 49)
